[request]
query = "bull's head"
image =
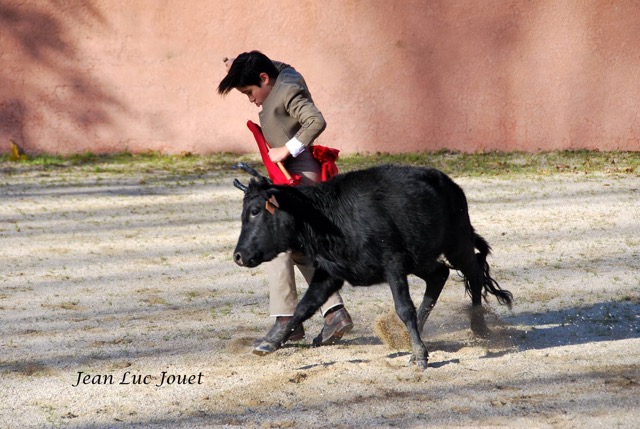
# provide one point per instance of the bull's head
(264, 232)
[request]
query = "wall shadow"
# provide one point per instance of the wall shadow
(46, 81)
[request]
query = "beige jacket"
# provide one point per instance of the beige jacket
(289, 112)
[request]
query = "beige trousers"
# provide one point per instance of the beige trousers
(283, 295)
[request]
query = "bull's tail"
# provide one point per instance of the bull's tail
(504, 297)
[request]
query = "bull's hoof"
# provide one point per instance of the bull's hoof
(480, 330)
(264, 349)
(478, 324)
(421, 364)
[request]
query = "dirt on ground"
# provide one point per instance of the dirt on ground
(121, 307)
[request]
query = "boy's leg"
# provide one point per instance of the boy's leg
(283, 296)
(334, 300)
(306, 166)
(337, 320)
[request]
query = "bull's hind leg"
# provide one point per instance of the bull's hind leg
(320, 289)
(435, 276)
(407, 313)
(467, 263)
(476, 313)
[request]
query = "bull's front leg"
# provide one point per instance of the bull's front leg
(320, 289)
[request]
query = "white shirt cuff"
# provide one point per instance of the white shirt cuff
(295, 147)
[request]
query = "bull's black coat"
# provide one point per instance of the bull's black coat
(367, 227)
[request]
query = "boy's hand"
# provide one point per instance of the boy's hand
(279, 154)
(227, 62)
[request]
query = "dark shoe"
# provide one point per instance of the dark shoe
(336, 324)
(281, 321)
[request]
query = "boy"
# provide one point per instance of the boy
(290, 122)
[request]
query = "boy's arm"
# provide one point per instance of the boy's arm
(312, 123)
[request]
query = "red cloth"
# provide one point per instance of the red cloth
(326, 156)
(275, 174)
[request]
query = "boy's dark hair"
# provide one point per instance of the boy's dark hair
(245, 71)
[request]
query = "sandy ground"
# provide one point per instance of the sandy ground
(112, 286)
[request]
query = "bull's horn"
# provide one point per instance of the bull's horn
(248, 169)
(240, 186)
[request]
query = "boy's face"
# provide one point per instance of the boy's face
(258, 94)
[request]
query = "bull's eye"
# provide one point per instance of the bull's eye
(255, 211)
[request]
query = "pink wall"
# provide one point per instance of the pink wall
(391, 76)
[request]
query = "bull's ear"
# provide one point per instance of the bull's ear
(272, 204)
(270, 195)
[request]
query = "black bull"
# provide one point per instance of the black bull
(367, 227)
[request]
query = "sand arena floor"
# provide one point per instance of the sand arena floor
(114, 285)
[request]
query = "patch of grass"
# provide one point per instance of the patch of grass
(186, 165)
(191, 295)
(507, 163)
(453, 163)
(220, 311)
(67, 305)
(155, 300)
